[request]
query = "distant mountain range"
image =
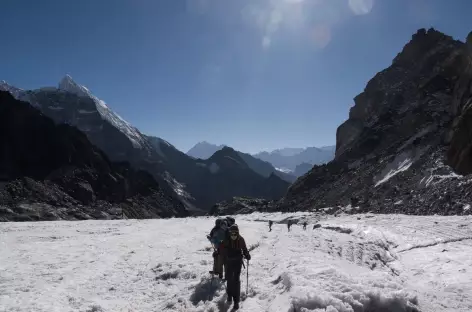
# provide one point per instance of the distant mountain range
(198, 184)
(290, 161)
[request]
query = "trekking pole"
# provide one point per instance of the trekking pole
(247, 280)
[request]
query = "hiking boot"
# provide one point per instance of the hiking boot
(229, 300)
(236, 305)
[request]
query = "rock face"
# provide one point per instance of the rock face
(302, 168)
(242, 205)
(406, 146)
(460, 151)
(50, 171)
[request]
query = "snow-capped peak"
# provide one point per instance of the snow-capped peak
(5, 86)
(17, 93)
(68, 84)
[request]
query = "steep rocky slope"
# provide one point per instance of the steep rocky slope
(406, 146)
(242, 205)
(302, 168)
(50, 172)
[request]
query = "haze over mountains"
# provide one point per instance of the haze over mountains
(294, 161)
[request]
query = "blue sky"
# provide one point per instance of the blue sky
(252, 74)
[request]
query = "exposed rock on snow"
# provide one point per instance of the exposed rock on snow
(410, 123)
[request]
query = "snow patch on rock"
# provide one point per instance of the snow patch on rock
(399, 164)
(214, 168)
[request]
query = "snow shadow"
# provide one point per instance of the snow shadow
(168, 275)
(205, 290)
(284, 280)
(95, 308)
(222, 305)
(338, 229)
(176, 274)
(357, 302)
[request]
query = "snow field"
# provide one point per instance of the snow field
(353, 263)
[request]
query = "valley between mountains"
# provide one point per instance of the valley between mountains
(405, 148)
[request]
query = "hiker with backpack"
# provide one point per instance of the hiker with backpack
(216, 237)
(229, 222)
(270, 225)
(289, 224)
(304, 225)
(234, 250)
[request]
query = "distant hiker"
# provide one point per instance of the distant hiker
(304, 225)
(270, 225)
(216, 237)
(234, 249)
(289, 224)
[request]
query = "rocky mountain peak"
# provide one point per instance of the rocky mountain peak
(69, 85)
(429, 63)
(228, 156)
(421, 42)
(407, 145)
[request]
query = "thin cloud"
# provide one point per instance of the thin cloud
(361, 7)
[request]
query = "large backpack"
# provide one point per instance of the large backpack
(230, 221)
(220, 234)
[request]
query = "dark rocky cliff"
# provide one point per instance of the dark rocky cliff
(406, 146)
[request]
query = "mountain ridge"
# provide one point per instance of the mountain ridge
(51, 171)
(178, 174)
(283, 160)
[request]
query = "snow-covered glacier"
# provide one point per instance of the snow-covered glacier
(356, 263)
